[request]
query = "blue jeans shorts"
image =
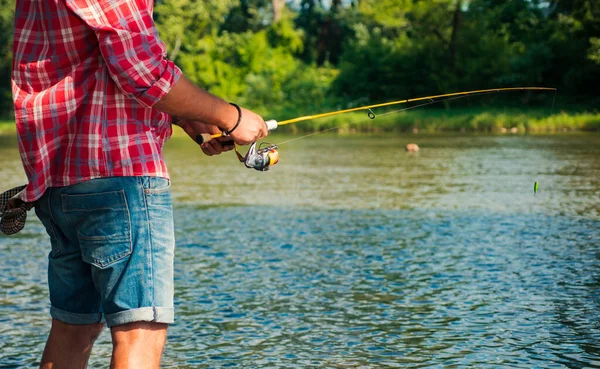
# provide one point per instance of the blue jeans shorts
(112, 250)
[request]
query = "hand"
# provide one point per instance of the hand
(215, 146)
(251, 128)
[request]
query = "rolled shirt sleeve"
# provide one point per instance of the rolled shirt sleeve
(130, 45)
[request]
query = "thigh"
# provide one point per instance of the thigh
(124, 228)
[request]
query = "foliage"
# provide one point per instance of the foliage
(594, 52)
(313, 55)
(6, 25)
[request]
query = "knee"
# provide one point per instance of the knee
(138, 345)
(145, 333)
(92, 332)
(77, 335)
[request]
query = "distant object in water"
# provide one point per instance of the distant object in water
(412, 147)
(512, 130)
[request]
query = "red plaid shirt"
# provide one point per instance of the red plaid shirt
(86, 74)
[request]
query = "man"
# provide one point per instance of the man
(94, 95)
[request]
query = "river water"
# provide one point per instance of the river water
(351, 253)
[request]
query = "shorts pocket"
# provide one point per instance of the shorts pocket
(157, 186)
(158, 195)
(103, 226)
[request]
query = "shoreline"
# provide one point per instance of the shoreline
(438, 122)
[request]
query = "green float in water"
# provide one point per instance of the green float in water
(536, 188)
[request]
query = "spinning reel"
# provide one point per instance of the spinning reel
(261, 159)
(266, 155)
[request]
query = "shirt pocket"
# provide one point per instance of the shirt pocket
(103, 226)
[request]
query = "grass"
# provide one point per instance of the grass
(456, 120)
(7, 126)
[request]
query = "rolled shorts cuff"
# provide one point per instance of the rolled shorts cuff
(74, 318)
(145, 314)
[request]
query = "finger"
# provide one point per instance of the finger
(217, 143)
(225, 140)
(221, 146)
(216, 147)
(207, 153)
(265, 130)
(261, 134)
(208, 149)
(226, 145)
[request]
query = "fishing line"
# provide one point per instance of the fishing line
(308, 135)
(373, 116)
(369, 107)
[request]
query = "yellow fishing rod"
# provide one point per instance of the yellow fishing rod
(263, 158)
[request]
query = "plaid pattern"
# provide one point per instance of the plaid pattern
(86, 74)
(13, 220)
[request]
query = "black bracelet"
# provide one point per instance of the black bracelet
(227, 133)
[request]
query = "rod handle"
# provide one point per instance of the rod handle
(203, 138)
(272, 124)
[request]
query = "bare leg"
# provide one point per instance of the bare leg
(138, 345)
(69, 346)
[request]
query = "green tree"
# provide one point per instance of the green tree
(573, 38)
(409, 47)
(405, 48)
(594, 52)
(181, 23)
(6, 37)
(279, 55)
(325, 30)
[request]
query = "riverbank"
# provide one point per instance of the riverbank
(439, 121)
(464, 120)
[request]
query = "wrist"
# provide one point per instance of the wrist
(177, 121)
(227, 117)
(229, 131)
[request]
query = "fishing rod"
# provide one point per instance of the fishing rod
(263, 158)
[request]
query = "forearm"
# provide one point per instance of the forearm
(188, 101)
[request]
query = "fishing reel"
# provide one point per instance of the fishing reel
(260, 159)
(266, 155)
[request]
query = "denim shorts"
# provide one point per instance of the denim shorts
(112, 250)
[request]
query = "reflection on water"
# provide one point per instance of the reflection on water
(351, 253)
